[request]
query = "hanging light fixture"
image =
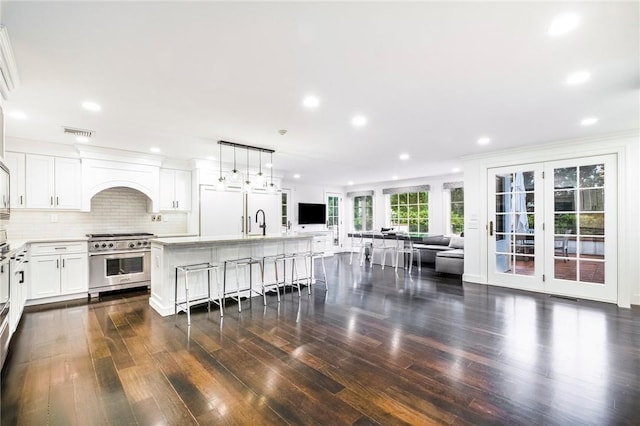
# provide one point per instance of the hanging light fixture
(272, 187)
(260, 181)
(235, 175)
(220, 186)
(247, 182)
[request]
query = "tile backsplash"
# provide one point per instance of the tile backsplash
(112, 210)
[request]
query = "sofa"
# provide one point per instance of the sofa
(446, 253)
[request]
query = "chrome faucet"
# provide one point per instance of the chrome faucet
(264, 222)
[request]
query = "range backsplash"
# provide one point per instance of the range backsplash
(112, 210)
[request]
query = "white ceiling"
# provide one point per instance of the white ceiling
(431, 78)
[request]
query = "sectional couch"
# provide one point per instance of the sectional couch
(446, 253)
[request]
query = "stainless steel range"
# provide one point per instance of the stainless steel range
(119, 261)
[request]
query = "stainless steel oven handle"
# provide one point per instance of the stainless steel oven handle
(119, 252)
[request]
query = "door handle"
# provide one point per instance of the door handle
(490, 228)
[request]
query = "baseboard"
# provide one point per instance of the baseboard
(54, 299)
(635, 299)
(159, 308)
(473, 278)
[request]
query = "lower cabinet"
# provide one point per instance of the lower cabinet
(57, 274)
(18, 282)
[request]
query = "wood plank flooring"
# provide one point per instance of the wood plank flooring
(378, 348)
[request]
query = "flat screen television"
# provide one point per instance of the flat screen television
(310, 214)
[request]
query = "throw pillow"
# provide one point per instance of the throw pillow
(456, 242)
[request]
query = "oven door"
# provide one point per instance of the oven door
(115, 270)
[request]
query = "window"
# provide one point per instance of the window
(363, 213)
(457, 210)
(284, 209)
(410, 210)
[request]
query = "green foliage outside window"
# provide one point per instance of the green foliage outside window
(363, 213)
(410, 210)
(457, 210)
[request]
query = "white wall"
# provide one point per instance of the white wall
(113, 210)
(624, 145)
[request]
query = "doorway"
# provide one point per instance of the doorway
(334, 220)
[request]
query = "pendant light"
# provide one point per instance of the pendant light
(260, 181)
(272, 188)
(247, 182)
(235, 175)
(220, 186)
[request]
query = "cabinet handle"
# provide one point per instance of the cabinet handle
(52, 200)
(177, 204)
(57, 201)
(63, 263)
(21, 200)
(57, 264)
(21, 278)
(242, 224)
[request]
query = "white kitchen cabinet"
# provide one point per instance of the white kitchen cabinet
(15, 161)
(271, 205)
(58, 270)
(175, 190)
(18, 283)
(53, 182)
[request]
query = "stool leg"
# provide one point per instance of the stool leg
(220, 305)
(275, 265)
(294, 269)
(264, 291)
(186, 293)
(238, 289)
(324, 274)
(410, 261)
(209, 291)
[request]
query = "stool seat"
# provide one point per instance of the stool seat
(185, 305)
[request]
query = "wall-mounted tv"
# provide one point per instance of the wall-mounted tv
(310, 214)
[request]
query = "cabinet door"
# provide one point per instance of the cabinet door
(271, 205)
(44, 277)
(68, 180)
(15, 162)
(39, 181)
(221, 212)
(167, 189)
(73, 273)
(183, 190)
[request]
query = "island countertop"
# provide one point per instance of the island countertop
(228, 239)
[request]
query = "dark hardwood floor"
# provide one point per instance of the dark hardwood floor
(378, 348)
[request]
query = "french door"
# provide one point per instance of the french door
(334, 221)
(552, 227)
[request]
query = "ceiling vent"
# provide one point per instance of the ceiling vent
(8, 71)
(78, 132)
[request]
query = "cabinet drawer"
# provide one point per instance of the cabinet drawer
(41, 249)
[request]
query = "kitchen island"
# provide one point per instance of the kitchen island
(167, 253)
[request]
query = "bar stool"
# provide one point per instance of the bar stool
(378, 243)
(240, 262)
(266, 259)
(187, 303)
(358, 242)
(405, 246)
(311, 255)
(293, 255)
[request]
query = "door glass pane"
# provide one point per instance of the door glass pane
(564, 178)
(564, 201)
(591, 248)
(565, 269)
(592, 176)
(592, 271)
(592, 199)
(565, 223)
(592, 224)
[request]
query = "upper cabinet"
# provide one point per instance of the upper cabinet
(175, 190)
(15, 161)
(53, 182)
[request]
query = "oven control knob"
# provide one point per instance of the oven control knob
(96, 245)
(139, 243)
(104, 245)
(110, 245)
(145, 243)
(131, 245)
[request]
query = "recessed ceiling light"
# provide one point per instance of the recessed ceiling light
(359, 120)
(310, 102)
(82, 139)
(484, 140)
(91, 106)
(18, 115)
(350, 182)
(578, 77)
(154, 149)
(404, 156)
(394, 177)
(296, 176)
(563, 24)
(589, 121)
(456, 170)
